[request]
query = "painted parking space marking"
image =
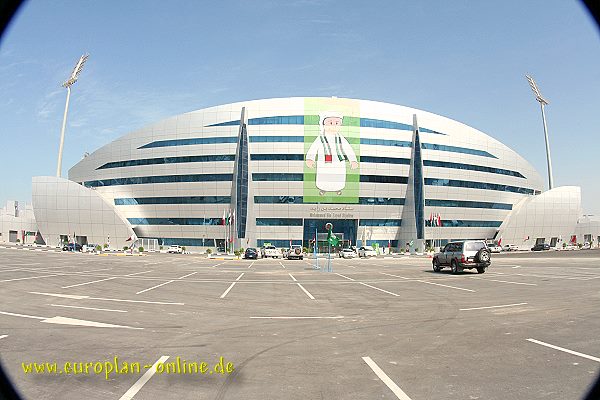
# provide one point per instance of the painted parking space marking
(143, 380)
(488, 307)
(139, 273)
(576, 353)
(3, 336)
(30, 277)
(231, 286)
(88, 308)
(344, 276)
(154, 287)
(429, 283)
(89, 283)
(298, 317)
(386, 379)
(79, 297)
(501, 281)
(310, 296)
(190, 274)
(280, 263)
(381, 290)
(251, 264)
(68, 321)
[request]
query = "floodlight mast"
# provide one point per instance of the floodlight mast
(67, 84)
(543, 102)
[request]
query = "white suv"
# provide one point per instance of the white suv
(295, 252)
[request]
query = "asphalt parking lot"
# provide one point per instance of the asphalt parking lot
(390, 328)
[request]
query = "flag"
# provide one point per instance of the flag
(500, 242)
(430, 219)
(331, 238)
(129, 239)
(439, 220)
(232, 217)
(223, 220)
(229, 218)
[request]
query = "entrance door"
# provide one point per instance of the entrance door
(344, 229)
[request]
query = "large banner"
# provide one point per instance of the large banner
(331, 150)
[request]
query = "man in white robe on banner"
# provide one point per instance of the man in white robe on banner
(329, 152)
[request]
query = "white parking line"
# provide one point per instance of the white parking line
(381, 290)
(3, 336)
(185, 276)
(497, 280)
(485, 308)
(344, 276)
(281, 264)
(231, 286)
(310, 296)
(88, 308)
(139, 273)
(251, 264)
(565, 350)
(78, 297)
(142, 381)
(31, 277)
(154, 287)
(216, 265)
(386, 379)
(429, 283)
(336, 317)
(89, 283)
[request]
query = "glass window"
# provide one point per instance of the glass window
(454, 149)
(276, 139)
(175, 221)
(190, 142)
(380, 222)
(168, 160)
(385, 142)
(477, 185)
(385, 160)
(443, 164)
(277, 157)
(173, 200)
(140, 180)
(278, 221)
(274, 177)
(467, 204)
(384, 179)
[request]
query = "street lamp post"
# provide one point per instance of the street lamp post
(543, 102)
(67, 84)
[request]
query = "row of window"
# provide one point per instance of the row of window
(292, 177)
(299, 222)
(462, 223)
(175, 221)
(471, 167)
(300, 139)
(467, 204)
(314, 120)
(300, 157)
(300, 200)
(168, 160)
(133, 201)
(130, 201)
(278, 242)
(140, 180)
(477, 185)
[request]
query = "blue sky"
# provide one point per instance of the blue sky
(149, 60)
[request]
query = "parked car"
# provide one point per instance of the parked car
(175, 249)
(347, 253)
(541, 247)
(494, 248)
(295, 252)
(251, 253)
(366, 251)
(570, 247)
(270, 251)
(72, 247)
(89, 248)
(510, 247)
(463, 255)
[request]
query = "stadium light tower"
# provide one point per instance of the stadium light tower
(543, 102)
(67, 84)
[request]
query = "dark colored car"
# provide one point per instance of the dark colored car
(72, 247)
(463, 255)
(251, 253)
(541, 247)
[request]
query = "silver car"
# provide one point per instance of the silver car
(463, 255)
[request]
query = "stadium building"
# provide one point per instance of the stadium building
(277, 170)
